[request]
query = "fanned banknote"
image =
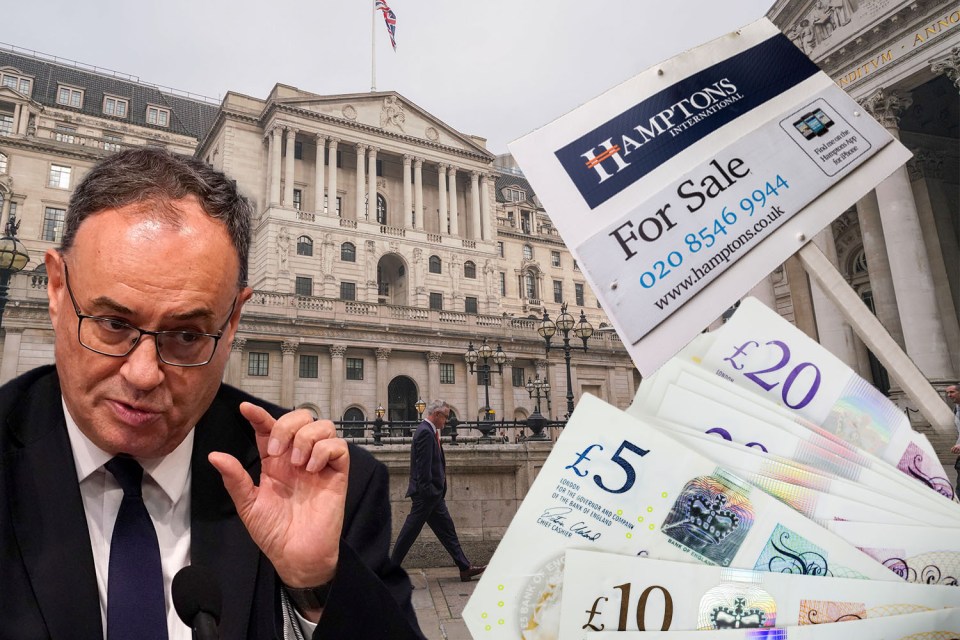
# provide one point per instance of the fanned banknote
(610, 592)
(614, 483)
(943, 624)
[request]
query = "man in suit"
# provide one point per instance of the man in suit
(129, 460)
(427, 489)
(953, 394)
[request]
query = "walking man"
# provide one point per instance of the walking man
(427, 489)
(953, 394)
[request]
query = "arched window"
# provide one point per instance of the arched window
(304, 246)
(530, 285)
(348, 252)
(381, 209)
(3, 163)
(527, 252)
(469, 269)
(353, 414)
(435, 264)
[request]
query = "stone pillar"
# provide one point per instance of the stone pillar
(360, 210)
(475, 204)
(288, 350)
(383, 375)
(318, 173)
(433, 375)
(509, 402)
(234, 372)
(485, 207)
(288, 170)
(923, 332)
(338, 373)
(407, 193)
(948, 65)
(372, 184)
(800, 296)
(835, 334)
(612, 396)
(454, 219)
(11, 353)
(418, 188)
(442, 197)
(332, 182)
(275, 162)
(878, 265)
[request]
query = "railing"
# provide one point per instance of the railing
(453, 317)
(434, 237)
(469, 244)
(380, 432)
(306, 216)
(89, 142)
(387, 230)
(347, 223)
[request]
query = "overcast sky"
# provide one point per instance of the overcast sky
(493, 68)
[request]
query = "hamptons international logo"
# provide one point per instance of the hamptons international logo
(615, 154)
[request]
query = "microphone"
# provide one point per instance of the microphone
(197, 599)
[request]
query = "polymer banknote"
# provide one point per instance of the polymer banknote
(610, 592)
(614, 483)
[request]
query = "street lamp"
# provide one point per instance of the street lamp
(378, 426)
(537, 389)
(13, 258)
(565, 324)
(420, 406)
(473, 358)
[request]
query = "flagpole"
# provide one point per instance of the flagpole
(373, 49)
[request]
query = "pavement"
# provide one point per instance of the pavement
(438, 600)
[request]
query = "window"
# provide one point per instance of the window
(111, 142)
(70, 97)
(304, 246)
(115, 106)
(353, 414)
(500, 248)
(59, 177)
(326, 204)
(578, 291)
(258, 364)
(6, 124)
(447, 375)
(348, 252)
(3, 163)
(64, 133)
(309, 366)
(555, 258)
(435, 264)
(481, 376)
(17, 83)
(381, 208)
(469, 269)
(304, 286)
(297, 150)
(348, 291)
(379, 168)
(557, 291)
(436, 301)
(527, 252)
(530, 285)
(470, 304)
(354, 368)
(298, 199)
(158, 116)
(525, 225)
(503, 283)
(515, 194)
(518, 377)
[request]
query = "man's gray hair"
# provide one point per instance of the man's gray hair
(157, 177)
(435, 406)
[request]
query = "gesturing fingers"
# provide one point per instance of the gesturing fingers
(331, 453)
(306, 440)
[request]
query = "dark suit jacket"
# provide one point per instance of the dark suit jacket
(428, 475)
(48, 585)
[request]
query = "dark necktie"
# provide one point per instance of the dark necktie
(135, 603)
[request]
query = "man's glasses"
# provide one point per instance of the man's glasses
(116, 338)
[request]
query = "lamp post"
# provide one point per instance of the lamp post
(420, 406)
(537, 389)
(473, 358)
(13, 258)
(378, 426)
(565, 324)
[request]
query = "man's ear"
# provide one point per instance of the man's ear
(53, 261)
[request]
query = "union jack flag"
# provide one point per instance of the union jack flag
(390, 19)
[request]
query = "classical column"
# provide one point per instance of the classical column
(433, 375)
(835, 334)
(11, 353)
(418, 188)
(509, 402)
(288, 349)
(454, 221)
(360, 211)
(407, 193)
(878, 266)
(332, 182)
(442, 197)
(948, 65)
(372, 184)
(485, 207)
(234, 372)
(475, 204)
(338, 373)
(275, 162)
(288, 170)
(318, 173)
(923, 332)
(383, 374)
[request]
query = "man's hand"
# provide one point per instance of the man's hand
(296, 514)
(955, 449)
